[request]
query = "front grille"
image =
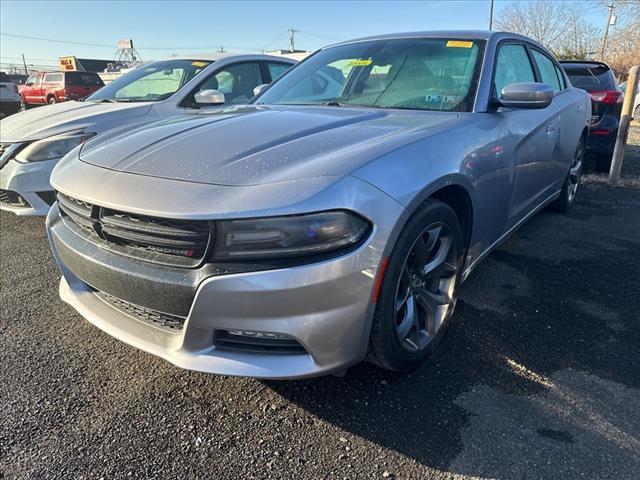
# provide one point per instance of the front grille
(13, 199)
(171, 323)
(165, 241)
(256, 342)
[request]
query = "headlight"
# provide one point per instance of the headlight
(290, 236)
(52, 147)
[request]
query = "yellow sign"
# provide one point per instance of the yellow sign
(67, 63)
(361, 63)
(459, 44)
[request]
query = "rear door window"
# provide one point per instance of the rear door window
(563, 84)
(277, 69)
(49, 78)
(513, 66)
(547, 70)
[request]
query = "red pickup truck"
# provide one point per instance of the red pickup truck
(53, 87)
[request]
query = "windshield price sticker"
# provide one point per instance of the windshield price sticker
(459, 44)
(361, 63)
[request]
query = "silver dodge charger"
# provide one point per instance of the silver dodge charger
(330, 220)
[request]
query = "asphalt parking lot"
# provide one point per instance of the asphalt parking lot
(538, 377)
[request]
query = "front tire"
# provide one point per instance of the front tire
(419, 290)
(570, 187)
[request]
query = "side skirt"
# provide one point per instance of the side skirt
(505, 236)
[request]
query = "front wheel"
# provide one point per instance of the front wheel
(418, 293)
(572, 181)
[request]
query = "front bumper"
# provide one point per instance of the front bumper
(31, 182)
(326, 307)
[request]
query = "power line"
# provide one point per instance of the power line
(55, 41)
(209, 47)
(275, 40)
(321, 35)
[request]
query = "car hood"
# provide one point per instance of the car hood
(42, 122)
(252, 145)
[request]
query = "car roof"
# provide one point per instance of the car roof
(215, 56)
(457, 34)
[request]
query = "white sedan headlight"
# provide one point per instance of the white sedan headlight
(51, 148)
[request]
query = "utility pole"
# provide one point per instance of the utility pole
(292, 43)
(24, 62)
(623, 128)
(611, 7)
(491, 15)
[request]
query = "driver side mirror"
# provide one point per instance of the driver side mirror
(259, 89)
(28, 84)
(526, 95)
(209, 97)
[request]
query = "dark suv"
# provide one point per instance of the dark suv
(606, 105)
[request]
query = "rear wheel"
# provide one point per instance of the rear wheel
(51, 100)
(571, 183)
(418, 292)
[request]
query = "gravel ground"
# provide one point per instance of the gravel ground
(538, 377)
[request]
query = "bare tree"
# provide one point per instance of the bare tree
(545, 22)
(580, 40)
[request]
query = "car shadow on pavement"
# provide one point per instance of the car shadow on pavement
(542, 349)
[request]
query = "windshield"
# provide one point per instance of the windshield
(416, 74)
(150, 83)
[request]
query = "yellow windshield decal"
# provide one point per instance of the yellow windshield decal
(361, 63)
(199, 64)
(459, 44)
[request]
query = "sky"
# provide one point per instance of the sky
(162, 28)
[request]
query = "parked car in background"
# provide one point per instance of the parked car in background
(9, 98)
(34, 141)
(636, 103)
(598, 79)
(328, 221)
(54, 87)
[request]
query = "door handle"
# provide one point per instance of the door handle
(581, 109)
(551, 128)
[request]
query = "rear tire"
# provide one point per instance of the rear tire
(572, 181)
(419, 290)
(51, 100)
